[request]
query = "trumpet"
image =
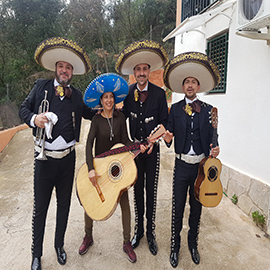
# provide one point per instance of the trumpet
(40, 133)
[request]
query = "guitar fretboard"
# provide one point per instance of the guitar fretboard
(214, 140)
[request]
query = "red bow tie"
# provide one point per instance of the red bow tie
(63, 91)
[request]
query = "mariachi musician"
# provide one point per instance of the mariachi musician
(54, 110)
(189, 124)
(146, 107)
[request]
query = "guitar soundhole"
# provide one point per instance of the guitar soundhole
(115, 171)
(212, 174)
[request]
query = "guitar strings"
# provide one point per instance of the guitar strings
(102, 180)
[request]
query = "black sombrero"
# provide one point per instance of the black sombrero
(55, 49)
(191, 64)
(141, 52)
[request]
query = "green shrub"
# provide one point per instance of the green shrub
(258, 218)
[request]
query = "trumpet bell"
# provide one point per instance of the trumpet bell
(41, 156)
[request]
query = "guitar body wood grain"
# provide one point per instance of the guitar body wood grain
(208, 187)
(117, 174)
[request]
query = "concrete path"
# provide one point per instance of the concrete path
(228, 238)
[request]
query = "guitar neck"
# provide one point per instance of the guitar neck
(214, 139)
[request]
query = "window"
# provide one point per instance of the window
(194, 7)
(217, 50)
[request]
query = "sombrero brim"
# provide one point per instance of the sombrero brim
(141, 52)
(52, 50)
(191, 64)
(108, 82)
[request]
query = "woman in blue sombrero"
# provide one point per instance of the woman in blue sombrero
(107, 129)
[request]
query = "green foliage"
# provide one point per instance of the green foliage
(258, 218)
(234, 199)
(102, 28)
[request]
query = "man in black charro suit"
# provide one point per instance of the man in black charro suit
(62, 123)
(189, 124)
(146, 107)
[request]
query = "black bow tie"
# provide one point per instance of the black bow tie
(195, 106)
(63, 91)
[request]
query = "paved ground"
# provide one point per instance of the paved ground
(228, 238)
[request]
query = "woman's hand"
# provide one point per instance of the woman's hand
(93, 176)
(143, 148)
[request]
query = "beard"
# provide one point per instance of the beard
(62, 82)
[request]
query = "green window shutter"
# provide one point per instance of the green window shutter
(217, 50)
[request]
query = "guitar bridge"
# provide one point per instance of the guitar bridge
(211, 194)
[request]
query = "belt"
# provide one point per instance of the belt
(56, 154)
(190, 159)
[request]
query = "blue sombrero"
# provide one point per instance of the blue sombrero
(108, 82)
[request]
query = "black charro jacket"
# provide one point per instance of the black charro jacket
(156, 109)
(177, 125)
(31, 104)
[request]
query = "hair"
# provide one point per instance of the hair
(189, 77)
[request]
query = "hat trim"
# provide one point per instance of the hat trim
(145, 45)
(192, 57)
(62, 43)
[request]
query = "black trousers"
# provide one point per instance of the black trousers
(58, 173)
(184, 179)
(148, 172)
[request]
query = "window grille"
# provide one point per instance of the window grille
(194, 7)
(217, 50)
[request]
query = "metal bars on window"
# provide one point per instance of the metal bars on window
(217, 50)
(194, 7)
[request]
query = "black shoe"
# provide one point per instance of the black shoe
(195, 255)
(174, 258)
(136, 240)
(152, 246)
(36, 264)
(61, 255)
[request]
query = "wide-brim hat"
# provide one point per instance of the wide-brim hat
(55, 49)
(107, 82)
(141, 52)
(191, 64)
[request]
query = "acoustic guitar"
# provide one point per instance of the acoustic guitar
(117, 171)
(208, 188)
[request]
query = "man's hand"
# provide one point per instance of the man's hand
(214, 151)
(40, 120)
(168, 136)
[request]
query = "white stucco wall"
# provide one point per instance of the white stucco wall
(244, 110)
